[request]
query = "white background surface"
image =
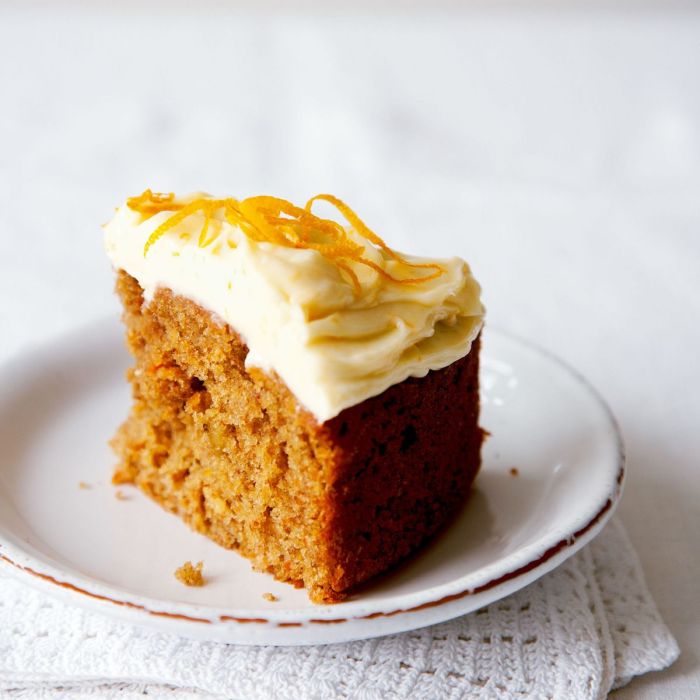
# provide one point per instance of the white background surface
(558, 151)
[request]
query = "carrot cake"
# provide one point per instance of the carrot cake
(301, 392)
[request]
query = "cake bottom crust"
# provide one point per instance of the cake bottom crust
(227, 448)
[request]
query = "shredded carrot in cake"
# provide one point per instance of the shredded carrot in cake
(274, 220)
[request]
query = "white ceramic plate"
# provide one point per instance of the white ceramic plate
(59, 406)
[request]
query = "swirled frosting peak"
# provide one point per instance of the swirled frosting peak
(326, 305)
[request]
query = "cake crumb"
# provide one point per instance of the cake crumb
(120, 495)
(514, 471)
(83, 485)
(270, 597)
(190, 574)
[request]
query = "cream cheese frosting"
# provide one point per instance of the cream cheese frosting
(333, 340)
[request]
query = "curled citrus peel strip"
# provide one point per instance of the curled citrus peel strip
(274, 220)
(150, 203)
(354, 220)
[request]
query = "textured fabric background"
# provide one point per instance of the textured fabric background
(557, 151)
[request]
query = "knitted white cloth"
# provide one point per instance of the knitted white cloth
(583, 629)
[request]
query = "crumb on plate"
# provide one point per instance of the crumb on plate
(120, 495)
(190, 574)
(271, 597)
(84, 485)
(514, 471)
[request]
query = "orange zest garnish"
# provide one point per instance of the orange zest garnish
(274, 220)
(150, 203)
(359, 226)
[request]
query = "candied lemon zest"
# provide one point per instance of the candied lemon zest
(266, 219)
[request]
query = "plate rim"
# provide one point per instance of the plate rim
(44, 575)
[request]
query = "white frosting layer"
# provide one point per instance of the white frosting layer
(299, 315)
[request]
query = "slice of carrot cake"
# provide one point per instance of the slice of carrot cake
(301, 392)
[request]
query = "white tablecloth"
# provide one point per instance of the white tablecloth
(558, 151)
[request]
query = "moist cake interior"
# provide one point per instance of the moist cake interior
(230, 450)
